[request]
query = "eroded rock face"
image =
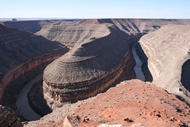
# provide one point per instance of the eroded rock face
(23, 56)
(99, 57)
(167, 50)
(29, 26)
(90, 68)
(8, 118)
(71, 32)
(185, 75)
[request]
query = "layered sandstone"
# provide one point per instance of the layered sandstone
(90, 68)
(128, 104)
(8, 118)
(167, 50)
(100, 54)
(72, 32)
(29, 26)
(23, 56)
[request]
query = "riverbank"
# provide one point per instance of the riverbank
(22, 102)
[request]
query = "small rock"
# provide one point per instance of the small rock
(138, 125)
(128, 120)
(86, 119)
(173, 119)
(106, 125)
(178, 110)
(68, 122)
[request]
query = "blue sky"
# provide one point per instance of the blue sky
(95, 9)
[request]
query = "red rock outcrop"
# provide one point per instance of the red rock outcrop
(22, 56)
(129, 103)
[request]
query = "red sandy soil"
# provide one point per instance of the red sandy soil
(128, 103)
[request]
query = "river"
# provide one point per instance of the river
(138, 68)
(28, 113)
(22, 103)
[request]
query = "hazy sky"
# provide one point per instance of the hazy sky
(95, 9)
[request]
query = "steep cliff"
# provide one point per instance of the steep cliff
(185, 75)
(100, 52)
(23, 56)
(29, 26)
(167, 50)
(8, 118)
(89, 68)
(70, 33)
(100, 55)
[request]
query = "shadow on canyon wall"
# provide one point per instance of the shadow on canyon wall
(36, 99)
(144, 59)
(185, 75)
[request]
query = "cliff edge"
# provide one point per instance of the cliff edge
(167, 50)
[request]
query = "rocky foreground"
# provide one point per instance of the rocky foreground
(130, 102)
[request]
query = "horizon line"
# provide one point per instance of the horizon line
(52, 18)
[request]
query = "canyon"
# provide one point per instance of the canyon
(23, 56)
(87, 71)
(69, 79)
(95, 55)
(166, 55)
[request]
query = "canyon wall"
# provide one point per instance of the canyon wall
(23, 56)
(71, 33)
(185, 74)
(33, 26)
(80, 73)
(28, 26)
(100, 52)
(90, 68)
(8, 118)
(144, 59)
(167, 50)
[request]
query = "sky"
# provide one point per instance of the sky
(95, 9)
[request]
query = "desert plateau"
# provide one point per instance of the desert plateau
(82, 73)
(95, 64)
